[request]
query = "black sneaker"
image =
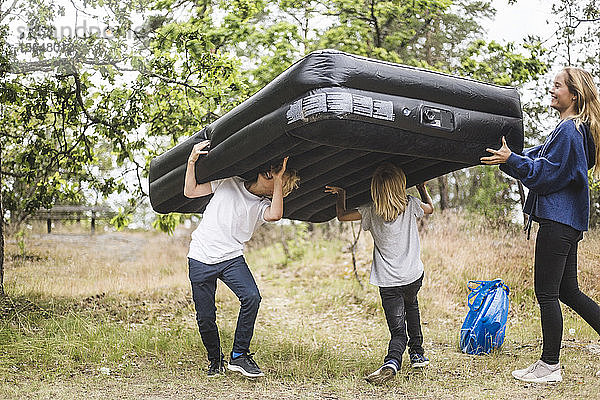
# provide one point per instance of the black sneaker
(418, 360)
(216, 368)
(245, 365)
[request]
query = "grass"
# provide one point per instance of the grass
(110, 316)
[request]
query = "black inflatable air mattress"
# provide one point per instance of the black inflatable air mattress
(338, 116)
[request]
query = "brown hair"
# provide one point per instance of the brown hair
(388, 191)
(587, 105)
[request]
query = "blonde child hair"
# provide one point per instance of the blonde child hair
(290, 179)
(290, 182)
(388, 191)
(587, 105)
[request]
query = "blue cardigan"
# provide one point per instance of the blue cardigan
(556, 175)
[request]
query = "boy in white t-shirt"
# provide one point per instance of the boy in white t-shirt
(397, 267)
(236, 209)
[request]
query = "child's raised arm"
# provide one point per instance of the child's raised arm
(191, 188)
(340, 205)
(275, 211)
(426, 202)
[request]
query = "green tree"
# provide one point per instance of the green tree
(4, 60)
(53, 120)
(76, 119)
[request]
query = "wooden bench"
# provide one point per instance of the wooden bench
(75, 213)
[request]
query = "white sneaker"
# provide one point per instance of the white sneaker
(384, 373)
(539, 372)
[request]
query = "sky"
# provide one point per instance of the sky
(512, 22)
(515, 22)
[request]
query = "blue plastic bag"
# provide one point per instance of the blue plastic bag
(485, 324)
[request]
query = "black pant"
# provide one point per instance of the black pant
(556, 279)
(401, 309)
(237, 276)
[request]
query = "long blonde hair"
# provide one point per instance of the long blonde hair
(587, 105)
(388, 191)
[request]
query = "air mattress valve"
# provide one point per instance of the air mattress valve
(438, 118)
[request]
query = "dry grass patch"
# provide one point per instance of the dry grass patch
(73, 265)
(122, 301)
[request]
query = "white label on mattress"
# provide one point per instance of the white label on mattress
(295, 112)
(339, 102)
(383, 110)
(362, 105)
(314, 104)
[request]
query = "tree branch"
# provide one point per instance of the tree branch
(354, 243)
(12, 6)
(11, 174)
(83, 11)
(580, 20)
(82, 105)
(417, 33)
(170, 80)
(375, 23)
(6, 134)
(21, 68)
(139, 178)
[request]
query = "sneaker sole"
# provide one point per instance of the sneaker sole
(385, 375)
(243, 371)
(420, 364)
(539, 380)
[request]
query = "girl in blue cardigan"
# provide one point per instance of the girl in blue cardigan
(556, 174)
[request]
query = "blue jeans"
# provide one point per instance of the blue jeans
(237, 276)
(556, 279)
(401, 309)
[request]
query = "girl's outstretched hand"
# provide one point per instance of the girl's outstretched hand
(334, 190)
(498, 156)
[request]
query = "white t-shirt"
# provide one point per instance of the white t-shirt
(397, 250)
(230, 219)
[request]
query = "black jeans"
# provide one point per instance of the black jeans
(237, 276)
(556, 279)
(401, 309)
